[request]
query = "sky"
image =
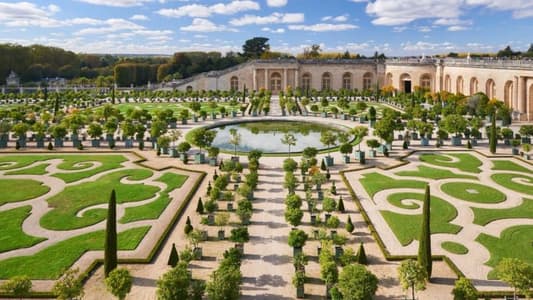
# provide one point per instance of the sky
(394, 27)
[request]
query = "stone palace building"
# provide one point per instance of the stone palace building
(510, 81)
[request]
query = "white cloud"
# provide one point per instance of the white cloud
(393, 12)
(203, 11)
(268, 29)
(25, 14)
(117, 3)
(342, 18)
(275, 18)
(277, 3)
(139, 18)
(84, 21)
(109, 26)
(427, 46)
(322, 27)
(204, 25)
(399, 28)
(457, 28)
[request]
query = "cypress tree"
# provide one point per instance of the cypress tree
(215, 176)
(492, 137)
(361, 255)
(424, 246)
(323, 166)
(110, 247)
(340, 205)
(200, 206)
(349, 225)
(188, 227)
(173, 259)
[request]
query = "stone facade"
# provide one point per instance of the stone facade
(508, 80)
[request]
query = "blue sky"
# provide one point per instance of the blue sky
(395, 27)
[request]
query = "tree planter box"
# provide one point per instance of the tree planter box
(235, 158)
(40, 142)
(183, 121)
(354, 118)
(332, 234)
(254, 113)
(414, 136)
(359, 155)
(296, 251)
(172, 125)
(371, 153)
(230, 206)
(328, 160)
(326, 218)
(210, 219)
(199, 158)
(194, 119)
(174, 152)
(526, 140)
(213, 161)
(324, 115)
(109, 137)
(233, 114)
(183, 156)
(320, 195)
(3, 140)
(318, 250)
(283, 113)
(345, 117)
(424, 141)
(346, 159)
(300, 293)
(240, 247)
(339, 251)
(22, 142)
(128, 143)
(76, 143)
(456, 141)
(221, 235)
(197, 252)
(400, 137)
(95, 143)
(527, 156)
(515, 151)
(507, 142)
(318, 187)
(235, 186)
(58, 142)
(164, 150)
(473, 142)
(372, 123)
(313, 220)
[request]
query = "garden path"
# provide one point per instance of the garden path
(275, 110)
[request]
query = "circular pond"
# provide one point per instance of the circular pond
(266, 136)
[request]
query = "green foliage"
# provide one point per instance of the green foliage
(424, 246)
(240, 235)
(375, 182)
(173, 259)
(175, 283)
(357, 283)
(349, 225)
(454, 248)
(293, 201)
(12, 236)
(329, 204)
(16, 190)
(200, 206)
(483, 193)
(119, 282)
(244, 210)
(483, 216)
(294, 215)
(110, 247)
(464, 290)
(361, 255)
(188, 226)
(433, 173)
(298, 279)
(508, 181)
(412, 276)
(18, 286)
(465, 162)
(297, 238)
(290, 165)
(224, 283)
(517, 274)
(340, 205)
(333, 222)
(69, 286)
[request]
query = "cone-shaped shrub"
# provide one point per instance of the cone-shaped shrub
(349, 225)
(340, 205)
(424, 246)
(110, 247)
(361, 255)
(188, 227)
(200, 206)
(173, 259)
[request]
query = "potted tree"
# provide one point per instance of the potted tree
(163, 143)
(58, 132)
(526, 148)
(297, 239)
(526, 131)
(20, 129)
(175, 135)
(346, 149)
(184, 115)
(39, 129)
(328, 138)
(372, 116)
(240, 236)
(183, 148)
(202, 138)
(235, 141)
(515, 143)
(128, 131)
(5, 128)
(298, 280)
(95, 131)
(425, 130)
(360, 132)
(373, 144)
(213, 152)
(507, 134)
(385, 130)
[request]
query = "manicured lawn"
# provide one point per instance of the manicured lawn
(51, 262)
(506, 180)
(36, 170)
(466, 163)
(155, 208)
(505, 165)
(11, 234)
(433, 173)
(74, 198)
(375, 182)
(514, 242)
(454, 248)
(473, 192)
(15, 190)
(407, 227)
(483, 216)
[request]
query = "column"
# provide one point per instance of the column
(514, 100)
(284, 79)
(296, 78)
(254, 78)
(522, 97)
(266, 79)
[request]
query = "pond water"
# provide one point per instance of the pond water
(266, 136)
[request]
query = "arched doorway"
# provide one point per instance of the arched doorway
(275, 82)
(425, 82)
(490, 89)
(388, 79)
(347, 81)
(447, 83)
(459, 89)
(474, 85)
(508, 94)
(326, 81)
(367, 81)
(405, 83)
(306, 82)
(234, 83)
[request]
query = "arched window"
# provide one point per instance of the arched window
(275, 82)
(326, 81)
(473, 86)
(425, 82)
(234, 83)
(367, 81)
(306, 82)
(447, 83)
(508, 94)
(405, 83)
(347, 81)
(459, 89)
(490, 89)
(389, 81)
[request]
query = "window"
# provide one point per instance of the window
(275, 82)
(306, 82)
(367, 81)
(347, 81)
(490, 88)
(234, 83)
(460, 83)
(473, 86)
(425, 82)
(326, 81)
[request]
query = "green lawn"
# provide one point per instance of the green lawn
(51, 262)
(74, 198)
(505, 165)
(155, 208)
(466, 163)
(514, 242)
(15, 190)
(433, 173)
(506, 180)
(473, 192)
(36, 170)
(407, 227)
(70, 163)
(375, 182)
(483, 216)
(11, 234)
(454, 248)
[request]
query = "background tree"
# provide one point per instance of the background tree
(255, 47)
(69, 286)
(412, 276)
(119, 283)
(18, 286)
(203, 138)
(174, 284)
(235, 139)
(424, 246)
(110, 247)
(328, 138)
(357, 283)
(518, 274)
